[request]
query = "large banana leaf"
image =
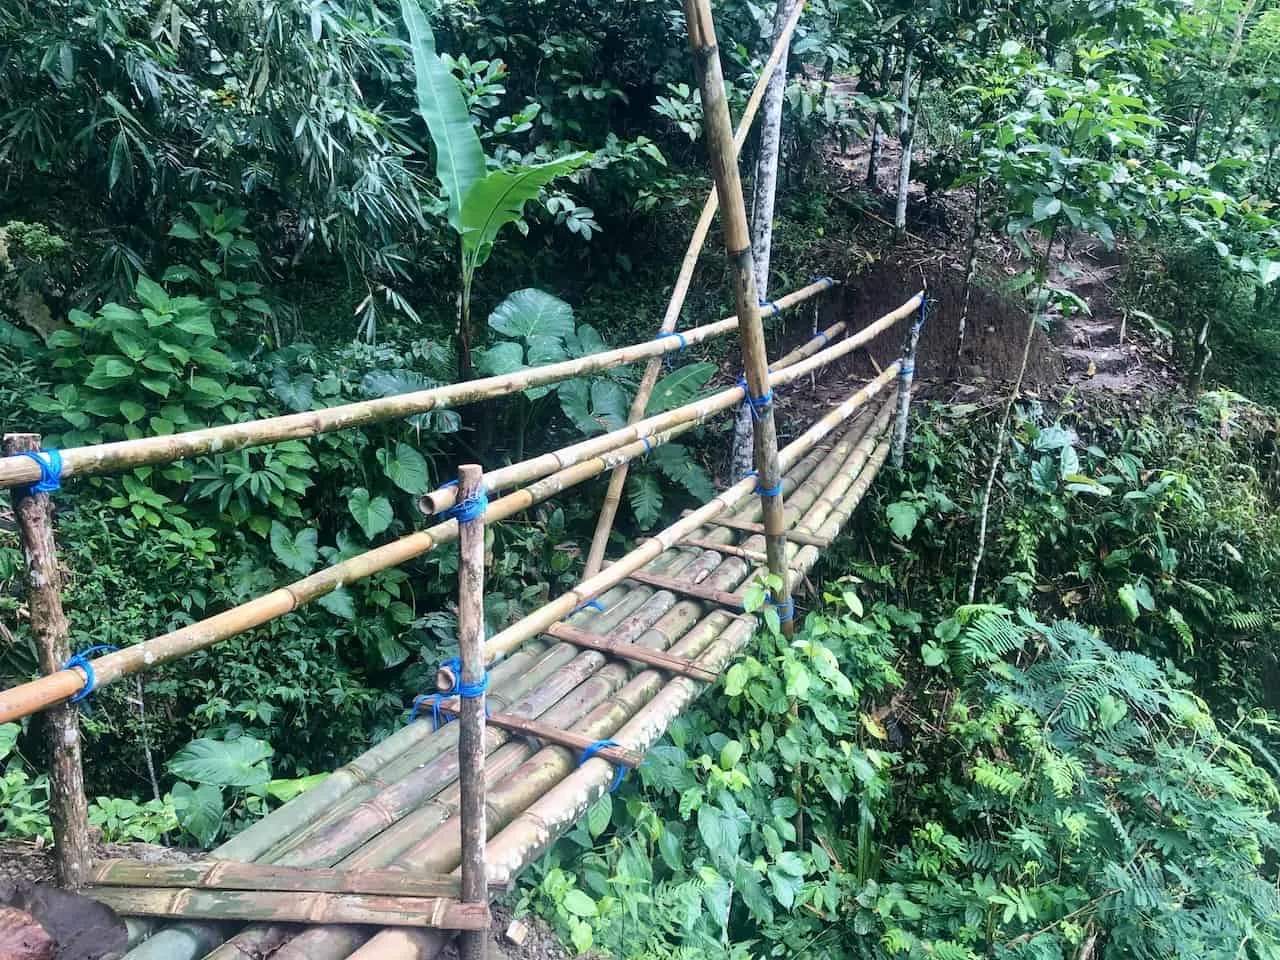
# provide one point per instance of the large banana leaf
(459, 156)
(499, 198)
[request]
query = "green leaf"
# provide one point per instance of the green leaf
(1128, 598)
(297, 552)
(151, 293)
(286, 790)
(646, 499)
(296, 393)
(1045, 207)
(339, 603)
(599, 815)
(407, 468)
(579, 904)
(132, 410)
(223, 763)
(459, 155)
(8, 738)
(372, 513)
(199, 811)
(902, 517)
(501, 359)
(499, 198)
(196, 324)
(531, 312)
(676, 463)
(680, 387)
(184, 231)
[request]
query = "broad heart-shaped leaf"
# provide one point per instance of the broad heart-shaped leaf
(296, 551)
(223, 763)
(902, 517)
(199, 810)
(339, 603)
(678, 388)
(1045, 207)
(501, 359)
(597, 407)
(406, 468)
(372, 513)
(499, 198)
(459, 156)
(532, 313)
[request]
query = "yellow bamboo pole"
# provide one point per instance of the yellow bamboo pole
(613, 497)
(126, 454)
(737, 243)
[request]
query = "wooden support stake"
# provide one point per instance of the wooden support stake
(632, 651)
(697, 591)
(905, 377)
(471, 738)
(746, 526)
(737, 241)
(565, 738)
(68, 809)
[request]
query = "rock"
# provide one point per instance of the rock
(22, 937)
(78, 927)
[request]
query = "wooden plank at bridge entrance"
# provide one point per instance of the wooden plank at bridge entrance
(291, 906)
(633, 651)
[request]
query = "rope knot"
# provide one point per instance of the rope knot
(49, 461)
(759, 405)
(80, 661)
(595, 748)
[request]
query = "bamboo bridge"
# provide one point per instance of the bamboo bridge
(395, 853)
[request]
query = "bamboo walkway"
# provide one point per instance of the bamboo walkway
(389, 820)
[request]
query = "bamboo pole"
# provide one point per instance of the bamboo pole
(754, 556)
(737, 242)
(68, 809)
(627, 651)
(444, 497)
(126, 454)
(613, 497)
(228, 875)
(294, 907)
(471, 734)
(746, 526)
(904, 388)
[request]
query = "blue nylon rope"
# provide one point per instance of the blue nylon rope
(648, 447)
(827, 280)
(593, 604)
(50, 469)
(595, 748)
(467, 691)
(684, 344)
(81, 660)
(924, 315)
(825, 339)
(786, 610)
(469, 508)
(773, 491)
(759, 405)
(438, 719)
(773, 306)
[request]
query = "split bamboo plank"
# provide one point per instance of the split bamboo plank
(631, 651)
(565, 738)
(721, 598)
(746, 526)
(671, 319)
(230, 875)
(293, 907)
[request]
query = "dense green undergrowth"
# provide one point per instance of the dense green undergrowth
(1079, 765)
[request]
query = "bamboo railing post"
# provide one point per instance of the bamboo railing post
(737, 241)
(472, 681)
(618, 479)
(905, 379)
(68, 809)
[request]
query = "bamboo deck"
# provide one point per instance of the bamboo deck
(395, 808)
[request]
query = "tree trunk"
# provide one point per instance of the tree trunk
(877, 127)
(1200, 358)
(764, 193)
(906, 132)
(970, 270)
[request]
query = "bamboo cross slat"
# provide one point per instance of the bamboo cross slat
(550, 734)
(747, 526)
(232, 875)
(680, 666)
(721, 598)
(728, 549)
(288, 906)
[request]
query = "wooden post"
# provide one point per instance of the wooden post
(737, 241)
(904, 385)
(471, 738)
(67, 807)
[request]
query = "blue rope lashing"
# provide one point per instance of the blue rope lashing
(771, 305)
(908, 369)
(826, 341)
(438, 718)
(827, 280)
(923, 316)
(468, 508)
(759, 405)
(467, 691)
(648, 447)
(595, 748)
(593, 604)
(773, 491)
(49, 461)
(668, 359)
(81, 660)
(786, 609)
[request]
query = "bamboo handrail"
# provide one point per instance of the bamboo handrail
(126, 454)
(613, 497)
